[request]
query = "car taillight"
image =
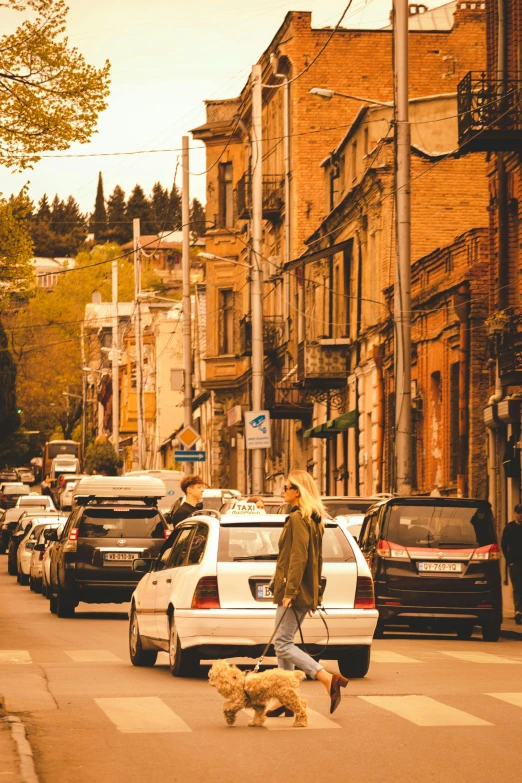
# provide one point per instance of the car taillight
(388, 549)
(364, 596)
(42, 553)
(71, 545)
(489, 552)
(206, 594)
(166, 533)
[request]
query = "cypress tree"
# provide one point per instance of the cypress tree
(175, 208)
(98, 222)
(160, 207)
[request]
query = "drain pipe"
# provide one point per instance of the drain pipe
(378, 356)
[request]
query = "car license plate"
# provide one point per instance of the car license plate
(263, 592)
(120, 556)
(446, 568)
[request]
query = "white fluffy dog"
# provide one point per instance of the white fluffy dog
(255, 691)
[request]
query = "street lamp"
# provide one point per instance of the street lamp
(329, 94)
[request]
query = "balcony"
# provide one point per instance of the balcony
(322, 363)
(273, 197)
(273, 334)
(285, 400)
(490, 113)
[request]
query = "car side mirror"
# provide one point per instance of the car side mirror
(39, 547)
(142, 565)
(51, 534)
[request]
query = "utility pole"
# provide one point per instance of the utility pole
(402, 294)
(138, 342)
(84, 392)
(187, 314)
(256, 285)
(115, 362)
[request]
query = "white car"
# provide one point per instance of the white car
(36, 565)
(46, 562)
(25, 550)
(34, 500)
(66, 495)
(208, 597)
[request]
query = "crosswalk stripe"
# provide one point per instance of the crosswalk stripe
(142, 715)
(315, 721)
(480, 657)
(15, 656)
(385, 656)
(92, 656)
(424, 711)
(510, 698)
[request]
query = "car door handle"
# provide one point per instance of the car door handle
(155, 582)
(168, 581)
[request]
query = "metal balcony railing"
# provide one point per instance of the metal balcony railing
(273, 197)
(489, 113)
(273, 334)
(285, 400)
(319, 364)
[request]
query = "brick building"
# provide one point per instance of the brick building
(443, 47)
(492, 122)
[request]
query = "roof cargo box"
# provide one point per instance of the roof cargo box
(118, 488)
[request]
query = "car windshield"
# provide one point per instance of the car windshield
(440, 526)
(118, 523)
(260, 542)
(345, 507)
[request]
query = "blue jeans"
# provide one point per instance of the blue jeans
(288, 654)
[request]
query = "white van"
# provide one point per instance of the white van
(171, 479)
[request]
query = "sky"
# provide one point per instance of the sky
(167, 57)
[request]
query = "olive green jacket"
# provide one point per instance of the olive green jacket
(300, 561)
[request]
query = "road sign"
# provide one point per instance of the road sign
(188, 437)
(190, 456)
(257, 430)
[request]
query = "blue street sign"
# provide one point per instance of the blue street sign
(190, 456)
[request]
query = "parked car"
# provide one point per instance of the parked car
(209, 597)
(8, 475)
(45, 559)
(29, 551)
(114, 521)
(435, 562)
(11, 492)
(8, 525)
(22, 527)
(65, 494)
(35, 500)
(25, 475)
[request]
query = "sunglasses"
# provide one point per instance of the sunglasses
(290, 487)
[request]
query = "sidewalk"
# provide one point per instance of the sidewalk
(9, 754)
(510, 630)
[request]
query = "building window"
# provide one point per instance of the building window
(366, 141)
(226, 331)
(454, 421)
(226, 196)
(334, 187)
(354, 161)
(347, 262)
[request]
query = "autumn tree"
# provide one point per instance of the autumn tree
(50, 96)
(16, 247)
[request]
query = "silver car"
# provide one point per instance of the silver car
(36, 568)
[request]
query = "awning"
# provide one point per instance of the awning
(332, 427)
(318, 254)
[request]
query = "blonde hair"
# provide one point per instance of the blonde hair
(309, 500)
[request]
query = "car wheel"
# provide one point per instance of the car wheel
(182, 663)
(11, 567)
(139, 656)
(37, 585)
(64, 607)
(23, 578)
(465, 630)
(52, 602)
(491, 632)
(354, 663)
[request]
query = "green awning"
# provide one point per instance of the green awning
(332, 427)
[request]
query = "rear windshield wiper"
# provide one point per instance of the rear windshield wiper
(256, 557)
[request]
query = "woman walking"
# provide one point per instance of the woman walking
(297, 582)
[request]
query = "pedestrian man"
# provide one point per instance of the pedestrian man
(192, 487)
(512, 549)
(45, 486)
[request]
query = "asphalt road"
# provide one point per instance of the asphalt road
(430, 709)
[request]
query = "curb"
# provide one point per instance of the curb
(25, 753)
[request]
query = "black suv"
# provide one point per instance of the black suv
(91, 560)
(435, 563)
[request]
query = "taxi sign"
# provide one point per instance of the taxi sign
(188, 436)
(246, 508)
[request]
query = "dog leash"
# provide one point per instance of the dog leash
(312, 655)
(260, 661)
